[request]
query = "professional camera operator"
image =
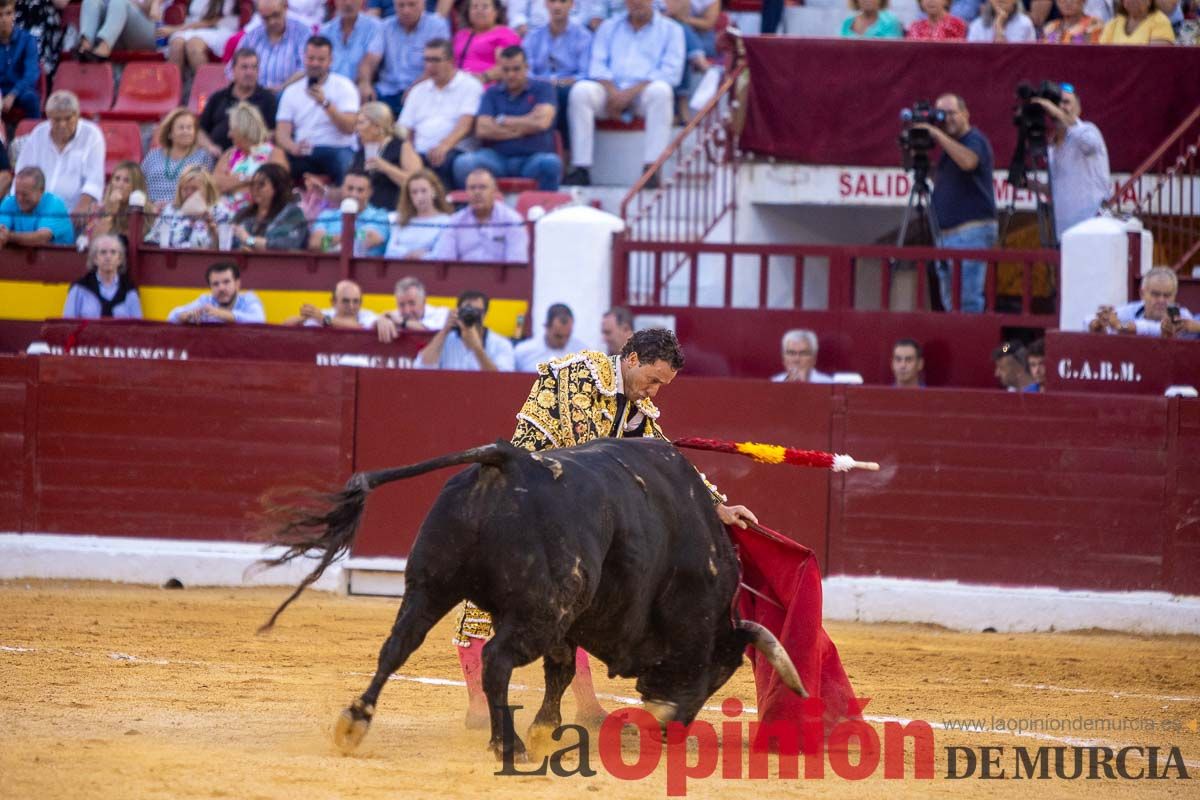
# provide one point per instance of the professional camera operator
(1078, 161)
(964, 201)
(463, 343)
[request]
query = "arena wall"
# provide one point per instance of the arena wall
(981, 492)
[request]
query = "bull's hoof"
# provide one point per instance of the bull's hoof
(352, 725)
(518, 755)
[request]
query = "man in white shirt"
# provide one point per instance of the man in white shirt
(800, 359)
(69, 152)
(315, 121)
(347, 311)
(464, 343)
(637, 61)
(440, 110)
(412, 312)
(555, 343)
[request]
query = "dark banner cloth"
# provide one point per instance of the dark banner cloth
(833, 101)
(139, 339)
(786, 599)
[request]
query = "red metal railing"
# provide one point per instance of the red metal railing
(754, 277)
(696, 175)
(1165, 194)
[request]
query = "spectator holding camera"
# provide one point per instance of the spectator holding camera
(1078, 161)
(964, 202)
(1001, 21)
(1156, 314)
(464, 343)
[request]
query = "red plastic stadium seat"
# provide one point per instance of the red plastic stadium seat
(547, 200)
(208, 80)
(122, 142)
(25, 127)
(91, 83)
(457, 198)
(70, 18)
(148, 92)
(516, 185)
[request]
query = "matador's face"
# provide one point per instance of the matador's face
(642, 381)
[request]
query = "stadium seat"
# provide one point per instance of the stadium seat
(516, 185)
(208, 80)
(547, 200)
(25, 127)
(122, 142)
(148, 92)
(91, 83)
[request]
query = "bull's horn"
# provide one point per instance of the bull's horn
(765, 642)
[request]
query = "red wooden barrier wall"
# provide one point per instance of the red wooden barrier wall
(1071, 491)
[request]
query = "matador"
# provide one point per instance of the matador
(575, 399)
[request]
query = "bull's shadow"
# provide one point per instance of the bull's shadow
(612, 546)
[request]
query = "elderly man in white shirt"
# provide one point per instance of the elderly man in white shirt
(637, 60)
(70, 153)
(440, 110)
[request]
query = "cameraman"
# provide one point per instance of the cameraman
(1078, 161)
(964, 201)
(463, 343)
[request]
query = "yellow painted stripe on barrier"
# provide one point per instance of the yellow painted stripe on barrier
(29, 300)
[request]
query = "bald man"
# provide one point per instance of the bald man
(347, 311)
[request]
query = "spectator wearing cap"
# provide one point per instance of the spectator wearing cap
(69, 152)
(516, 125)
(558, 51)
(616, 326)
(406, 36)
(556, 342)
(486, 230)
(800, 359)
(1148, 316)
(1012, 368)
(31, 216)
(316, 118)
(637, 61)
(347, 311)
(907, 364)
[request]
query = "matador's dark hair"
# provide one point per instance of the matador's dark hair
(655, 344)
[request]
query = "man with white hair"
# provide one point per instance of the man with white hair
(800, 359)
(69, 152)
(1150, 316)
(412, 313)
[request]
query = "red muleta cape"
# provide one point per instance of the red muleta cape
(787, 575)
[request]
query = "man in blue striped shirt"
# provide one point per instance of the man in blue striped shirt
(354, 35)
(279, 44)
(225, 301)
(558, 54)
(403, 62)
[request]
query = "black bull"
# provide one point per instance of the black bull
(613, 546)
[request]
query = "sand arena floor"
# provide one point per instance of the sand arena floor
(111, 691)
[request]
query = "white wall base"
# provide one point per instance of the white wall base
(958, 606)
(1007, 609)
(151, 561)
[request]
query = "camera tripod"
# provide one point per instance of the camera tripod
(920, 202)
(1031, 157)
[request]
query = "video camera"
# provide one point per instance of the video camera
(1030, 120)
(915, 143)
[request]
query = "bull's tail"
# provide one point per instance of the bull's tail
(329, 535)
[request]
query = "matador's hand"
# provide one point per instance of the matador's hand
(736, 515)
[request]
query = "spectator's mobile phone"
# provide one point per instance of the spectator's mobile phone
(311, 81)
(1173, 313)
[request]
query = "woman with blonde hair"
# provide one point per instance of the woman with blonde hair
(112, 214)
(190, 221)
(105, 291)
(178, 148)
(873, 21)
(386, 155)
(251, 149)
(421, 216)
